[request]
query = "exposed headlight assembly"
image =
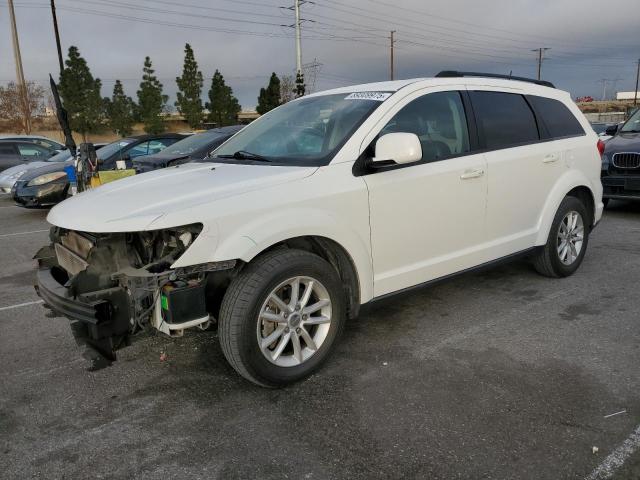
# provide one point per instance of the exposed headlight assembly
(46, 178)
(158, 249)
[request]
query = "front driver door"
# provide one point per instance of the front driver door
(427, 219)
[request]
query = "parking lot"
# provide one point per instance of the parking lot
(498, 374)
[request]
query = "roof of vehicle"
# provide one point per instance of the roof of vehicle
(395, 85)
(25, 137)
(139, 138)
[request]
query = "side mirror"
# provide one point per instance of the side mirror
(399, 148)
(611, 130)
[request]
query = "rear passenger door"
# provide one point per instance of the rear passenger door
(522, 169)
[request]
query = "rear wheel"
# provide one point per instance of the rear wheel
(567, 243)
(281, 316)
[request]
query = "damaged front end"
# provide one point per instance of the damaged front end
(114, 286)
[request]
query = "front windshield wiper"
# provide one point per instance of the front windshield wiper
(244, 155)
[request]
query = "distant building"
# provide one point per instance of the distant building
(627, 95)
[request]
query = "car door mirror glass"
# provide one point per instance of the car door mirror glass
(401, 148)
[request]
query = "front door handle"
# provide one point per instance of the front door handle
(475, 173)
(550, 158)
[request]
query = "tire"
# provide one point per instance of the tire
(549, 260)
(248, 302)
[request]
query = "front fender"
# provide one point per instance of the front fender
(265, 231)
(567, 182)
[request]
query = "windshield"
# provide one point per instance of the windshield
(633, 124)
(108, 150)
(304, 132)
(60, 157)
(193, 143)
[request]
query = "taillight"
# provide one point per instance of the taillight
(600, 147)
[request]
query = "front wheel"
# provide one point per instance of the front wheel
(280, 318)
(567, 242)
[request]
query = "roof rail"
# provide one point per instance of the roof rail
(453, 74)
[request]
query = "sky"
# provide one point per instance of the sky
(248, 39)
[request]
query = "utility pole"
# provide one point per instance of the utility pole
(22, 86)
(55, 29)
(604, 82)
(298, 46)
(391, 37)
(635, 94)
(540, 59)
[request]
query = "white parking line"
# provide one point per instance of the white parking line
(616, 458)
(21, 233)
(25, 304)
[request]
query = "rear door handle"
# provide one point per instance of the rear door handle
(550, 158)
(468, 174)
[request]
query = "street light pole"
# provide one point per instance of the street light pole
(22, 86)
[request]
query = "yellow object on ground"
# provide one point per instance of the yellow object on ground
(110, 176)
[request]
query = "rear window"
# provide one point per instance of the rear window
(7, 150)
(558, 119)
(504, 119)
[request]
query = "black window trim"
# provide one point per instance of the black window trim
(361, 167)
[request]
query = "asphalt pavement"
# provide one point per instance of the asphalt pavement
(501, 374)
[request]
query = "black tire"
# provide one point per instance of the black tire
(241, 306)
(547, 260)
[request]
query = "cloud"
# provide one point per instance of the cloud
(246, 42)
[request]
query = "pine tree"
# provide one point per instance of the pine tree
(269, 97)
(189, 102)
(300, 86)
(80, 94)
(222, 105)
(151, 101)
(120, 111)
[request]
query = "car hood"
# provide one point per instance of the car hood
(623, 142)
(25, 167)
(46, 167)
(141, 202)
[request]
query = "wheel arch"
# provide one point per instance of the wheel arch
(574, 184)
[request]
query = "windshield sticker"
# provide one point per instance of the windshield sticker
(377, 96)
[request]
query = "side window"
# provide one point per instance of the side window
(504, 119)
(439, 121)
(558, 119)
(7, 150)
(32, 150)
(139, 150)
(156, 146)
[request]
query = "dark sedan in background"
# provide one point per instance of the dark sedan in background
(48, 185)
(193, 148)
(621, 161)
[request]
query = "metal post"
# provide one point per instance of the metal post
(55, 29)
(635, 95)
(22, 86)
(298, 46)
(392, 67)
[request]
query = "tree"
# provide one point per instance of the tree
(287, 86)
(222, 105)
(269, 97)
(189, 102)
(300, 86)
(80, 94)
(120, 111)
(151, 101)
(12, 105)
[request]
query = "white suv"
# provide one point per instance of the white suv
(324, 204)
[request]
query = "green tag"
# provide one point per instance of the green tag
(164, 302)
